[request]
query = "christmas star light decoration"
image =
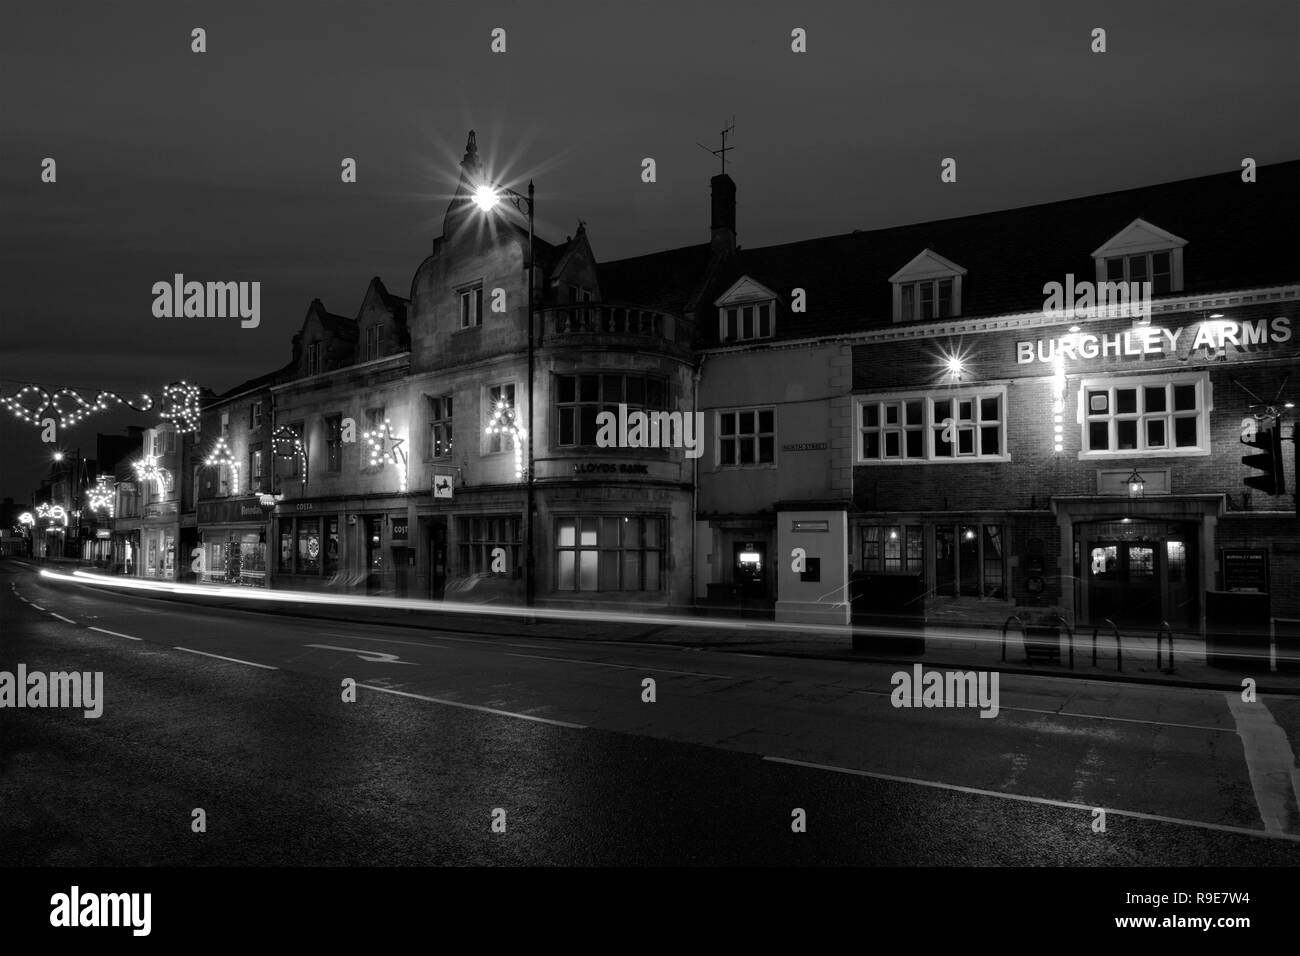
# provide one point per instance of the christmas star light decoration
(52, 512)
(222, 455)
(385, 447)
(100, 498)
(285, 443)
(33, 404)
(148, 469)
(180, 404)
(505, 422)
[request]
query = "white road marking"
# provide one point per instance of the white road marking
(485, 710)
(374, 657)
(1043, 801)
(1070, 713)
(626, 667)
(1269, 761)
(115, 634)
(233, 660)
(62, 618)
(37, 606)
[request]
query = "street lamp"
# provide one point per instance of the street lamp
(1136, 485)
(487, 198)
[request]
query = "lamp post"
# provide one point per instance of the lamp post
(74, 501)
(486, 197)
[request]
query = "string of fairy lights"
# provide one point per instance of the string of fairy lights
(385, 447)
(504, 421)
(66, 406)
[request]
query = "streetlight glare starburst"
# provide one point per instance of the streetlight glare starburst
(485, 197)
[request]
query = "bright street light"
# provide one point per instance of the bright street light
(485, 197)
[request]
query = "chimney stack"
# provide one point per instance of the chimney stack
(723, 225)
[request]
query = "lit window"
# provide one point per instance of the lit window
(609, 554)
(970, 560)
(1146, 415)
(892, 548)
(747, 437)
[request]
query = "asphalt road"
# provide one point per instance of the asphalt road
(242, 714)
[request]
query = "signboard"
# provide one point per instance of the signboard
(401, 529)
(806, 446)
(1244, 569)
(232, 511)
(442, 486)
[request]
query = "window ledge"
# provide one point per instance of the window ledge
(1138, 454)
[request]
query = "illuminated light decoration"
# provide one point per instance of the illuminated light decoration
(180, 404)
(285, 443)
(222, 455)
(100, 498)
(26, 518)
(52, 513)
(385, 447)
(268, 500)
(148, 469)
(64, 405)
(485, 197)
(503, 422)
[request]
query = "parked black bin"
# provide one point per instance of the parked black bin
(888, 612)
(1237, 629)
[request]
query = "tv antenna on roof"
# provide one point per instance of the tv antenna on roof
(722, 152)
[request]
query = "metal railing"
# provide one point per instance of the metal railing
(1165, 632)
(1006, 624)
(1119, 648)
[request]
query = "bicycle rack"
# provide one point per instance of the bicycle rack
(1119, 649)
(1006, 624)
(1165, 632)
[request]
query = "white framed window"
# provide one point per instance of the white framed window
(746, 437)
(471, 306)
(440, 433)
(744, 322)
(1150, 415)
(1154, 267)
(610, 553)
(968, 424)
(929, 299)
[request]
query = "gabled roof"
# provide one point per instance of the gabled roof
(338, 325)
(1239, 235)
(261, 381)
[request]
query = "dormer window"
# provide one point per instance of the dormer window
(313, 358)
(927, 288)
(1142, 252)
(746, 313)
(372, 343)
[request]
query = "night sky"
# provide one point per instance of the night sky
(225, 165)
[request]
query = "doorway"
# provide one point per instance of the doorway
(749, 569)
(1138, 573)
(437, 558)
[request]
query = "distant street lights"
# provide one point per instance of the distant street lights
(487, 198)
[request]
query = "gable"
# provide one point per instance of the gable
(927, 264)
(744, 289)
(1138, 236)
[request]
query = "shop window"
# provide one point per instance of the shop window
(480, 537)
(892, 548)
(331, 545)
(309, 546)
(609, 553)
(1147, 415)
(970, 560)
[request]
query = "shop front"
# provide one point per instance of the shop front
(232, 534)
(355, 545)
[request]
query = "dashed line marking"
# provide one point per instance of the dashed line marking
(626, 667)
(484, 710)
(62, 618)
(233, 660)
(115, 633)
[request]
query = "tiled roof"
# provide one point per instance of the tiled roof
(262, 381)
(1239, 235)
